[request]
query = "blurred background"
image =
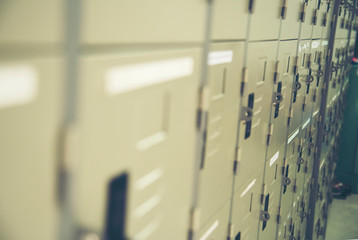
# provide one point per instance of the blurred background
(190, 119)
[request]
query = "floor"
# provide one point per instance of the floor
(343, 219)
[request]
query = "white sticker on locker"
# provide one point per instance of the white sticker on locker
(293, 136)
(315, 44)
(220, 57)
(274, 158)
(334, 97)
(306, 123)
(130, 77)
(210, 230)
(18, 85)
(252, 183)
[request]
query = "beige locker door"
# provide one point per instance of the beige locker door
(257, 97)
(290, 25)
(289, 173)
(327, 18)
(217, 226)
(283, 230)
(216, 174)
(138, 117)
(30, 106)
(317, 19)
(307, 26)
(303, 210)
(295, 226)
(281, 110)
(265, 20)
(229, 20)
(318, 229)
(270, 203)
(31, 22)
(136, 21)
(246, 208)
(300, 86)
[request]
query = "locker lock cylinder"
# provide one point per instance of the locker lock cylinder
(303, 12)
(303, 214)
(300, 160)
(246, 114)
(310, 145)
(264, 216)
(277, 98)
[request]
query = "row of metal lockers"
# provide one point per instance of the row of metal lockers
(163, 119)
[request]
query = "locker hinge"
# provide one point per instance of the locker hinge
(251, 6)
(278, 219)
(194, 220)
(294, 187)
(69, 157)
(203, 119)
(204, 99)
(324, 20)
(290, 116)
(237, 159)
(315, 152)
(332, 23)
(323, 88)
(70, 147)
(309, 61)
(304, 104)
(303, 12)
(203, 108)
(230, 231)
(319, 121)
(296, 64)
(300, 145)
(306, 168)
(276, 74)
(244, 79)
(263, 193)
(312, 183)
(284, 166)
(315, 16)
(291, 225)
(284, 9)
(314, 98)
(269, 134)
